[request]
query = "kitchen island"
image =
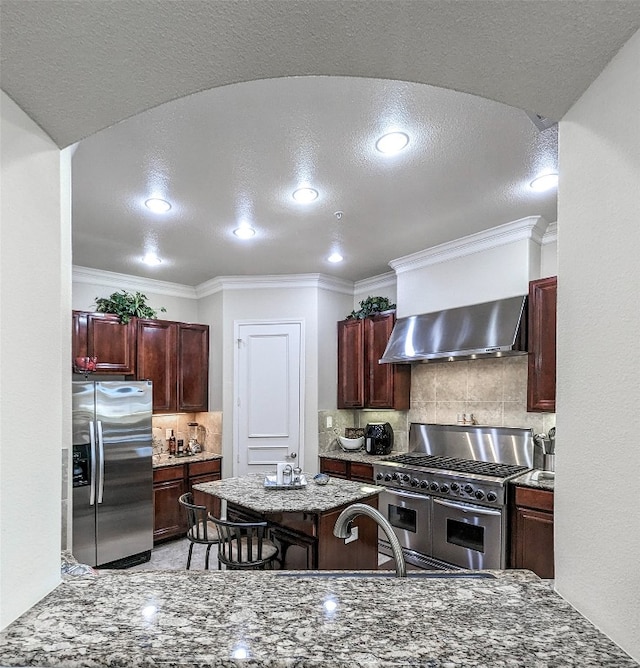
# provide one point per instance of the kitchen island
(302, 520)
(271, 619)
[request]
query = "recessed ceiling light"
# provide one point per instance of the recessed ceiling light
(244, 232)
(305, 195)
(151, 259)
(544, 182)
(157, 205)
(392, 142)
(335, 257)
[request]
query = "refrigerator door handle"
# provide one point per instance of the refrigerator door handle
(92, 442)
(100, 462)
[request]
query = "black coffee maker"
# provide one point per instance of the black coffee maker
(378, 438)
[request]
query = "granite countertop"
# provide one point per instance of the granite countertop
(197, 619)
(249, 492)
(355, 456)
(162, 461)
(536, 479)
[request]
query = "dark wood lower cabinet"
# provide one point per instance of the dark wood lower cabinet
(169, 519)
(169, 483)
(205, 472)
(532, 531)
(306, 540)
(342, 468)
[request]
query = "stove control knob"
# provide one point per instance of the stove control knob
(468, 489)
(414, 482)
(388, 477)
(455, 487)
(434, 487)
(424, 484)
(444, 488)
(492, 496)
(379, 476)
(479, 494)
(406, 478)
(396, 476)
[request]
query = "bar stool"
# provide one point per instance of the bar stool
(244, 545)
(201, 529)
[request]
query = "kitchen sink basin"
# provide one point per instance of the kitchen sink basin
(429, 575)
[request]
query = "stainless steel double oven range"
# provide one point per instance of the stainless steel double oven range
(447, 497)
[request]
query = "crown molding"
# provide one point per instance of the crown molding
(386, 280)
(532, 227)
(551, 235)
(112, 279)
(277, 281)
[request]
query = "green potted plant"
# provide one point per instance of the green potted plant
(127, 306)
(370, 306)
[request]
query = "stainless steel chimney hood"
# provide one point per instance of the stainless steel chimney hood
(492, 329)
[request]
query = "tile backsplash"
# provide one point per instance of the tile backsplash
(493, 390)
(211, 430)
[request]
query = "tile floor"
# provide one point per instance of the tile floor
(172, 556)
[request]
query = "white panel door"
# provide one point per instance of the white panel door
(268, 391)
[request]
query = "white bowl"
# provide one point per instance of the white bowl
(351, 443)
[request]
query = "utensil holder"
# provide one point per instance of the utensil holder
(549, 463)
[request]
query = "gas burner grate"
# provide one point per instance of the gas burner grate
(458, 465)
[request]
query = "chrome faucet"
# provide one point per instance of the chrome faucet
(342, 529)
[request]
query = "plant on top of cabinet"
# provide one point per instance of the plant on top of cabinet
(127, 306)
(371, 305)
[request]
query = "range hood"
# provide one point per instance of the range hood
(492, 329)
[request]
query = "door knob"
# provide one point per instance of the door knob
(293, 455)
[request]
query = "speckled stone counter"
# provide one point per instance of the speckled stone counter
(143, 619)
(162, 461)
(355, 456)
(249, 492)
(536, 479)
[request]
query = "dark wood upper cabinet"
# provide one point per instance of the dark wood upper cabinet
(156, 341)
(102, 335)
(175, 357)
(350, 364)
(362, 381)
(541, 382)
(193, 367)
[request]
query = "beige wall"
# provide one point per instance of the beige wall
(35, 358)
(598, 458)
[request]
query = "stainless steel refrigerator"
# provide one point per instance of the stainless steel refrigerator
(112, 472)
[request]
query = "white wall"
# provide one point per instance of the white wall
(549, 252)
(598, 457)
(332, 307)
(491, 265)
(261, 303)
(179, 300)
(210, 312)
(34, 357)
(384, 285)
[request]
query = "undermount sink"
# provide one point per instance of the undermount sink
(435, 575)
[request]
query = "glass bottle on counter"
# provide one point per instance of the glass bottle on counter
(172, 444)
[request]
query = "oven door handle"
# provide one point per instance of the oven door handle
(406, 494)
(477, 510)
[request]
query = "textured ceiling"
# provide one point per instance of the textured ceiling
(77, 66)
(234, 153)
